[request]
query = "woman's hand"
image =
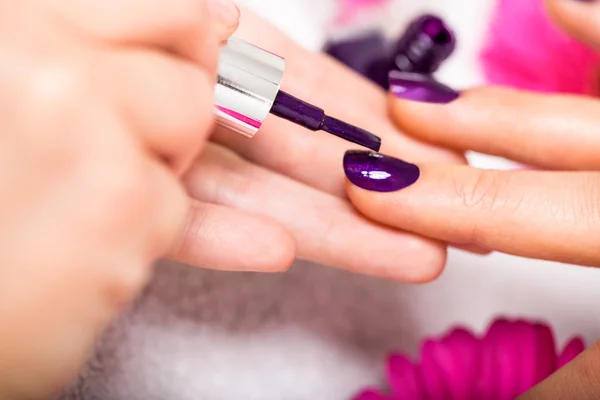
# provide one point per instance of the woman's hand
(103, 104)
(292, 176)
(553, 215)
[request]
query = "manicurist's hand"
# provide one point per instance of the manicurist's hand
(293, 177)
(104, 104)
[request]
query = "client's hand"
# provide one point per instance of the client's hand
(551, 215)
(293, 177)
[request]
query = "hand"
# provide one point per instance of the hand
(292, 176)
(576, 380)
(540, 214)
(104, 103)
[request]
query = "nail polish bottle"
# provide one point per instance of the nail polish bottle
(355, 39)
(424, 45)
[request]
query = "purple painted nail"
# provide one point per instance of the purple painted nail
(417, 87)
(378, 173)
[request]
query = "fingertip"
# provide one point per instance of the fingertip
(226, 15)
(281, 247)
(578, 18)
(432, 255)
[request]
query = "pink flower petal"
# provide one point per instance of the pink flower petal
(508, 358)
(488, 383)
(461, 364)
(351, 9)
(527, 351)
(545, 352)
(571, 350)
(404, 378)
(526, 49)
(433, 378)
(370, 394)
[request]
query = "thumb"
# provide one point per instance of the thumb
(546, 215)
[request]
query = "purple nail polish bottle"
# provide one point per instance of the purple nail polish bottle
(424, 45)
(360, 51)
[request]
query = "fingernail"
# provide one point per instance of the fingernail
(418, 87)
(224, 11)
(378, 173)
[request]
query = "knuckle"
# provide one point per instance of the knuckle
(192, 234)
(587, 206)
(198, 118)
(55, 88)
(125, 195)
(121, 198)
(482, 192)
(55, 98)
(125, 282)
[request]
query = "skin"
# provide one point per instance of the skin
(552, 213)
(105, 168)
(291, 177)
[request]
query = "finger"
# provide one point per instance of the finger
(545, 215)
(174, 113)
(326, 229)
(576, 380)
(184, 27)
(227, 17)
(224, 238)
(472, 249)
(342, 93)
(172, 207)
(549, 131)
(581, 19)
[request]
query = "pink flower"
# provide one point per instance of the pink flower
(525, 49)
(351, 9)
(511, 358)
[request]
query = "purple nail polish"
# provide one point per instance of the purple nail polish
(351, 133)
(427, 43)
(423, 88)
(359, 52)
(378, 173)
(314, 118)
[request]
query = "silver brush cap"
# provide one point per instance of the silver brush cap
(247, 83)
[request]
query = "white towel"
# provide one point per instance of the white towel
(312, 333)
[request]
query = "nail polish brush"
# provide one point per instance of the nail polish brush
(248, 89)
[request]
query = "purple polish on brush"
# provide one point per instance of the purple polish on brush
(314, 118)
(248, 90)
